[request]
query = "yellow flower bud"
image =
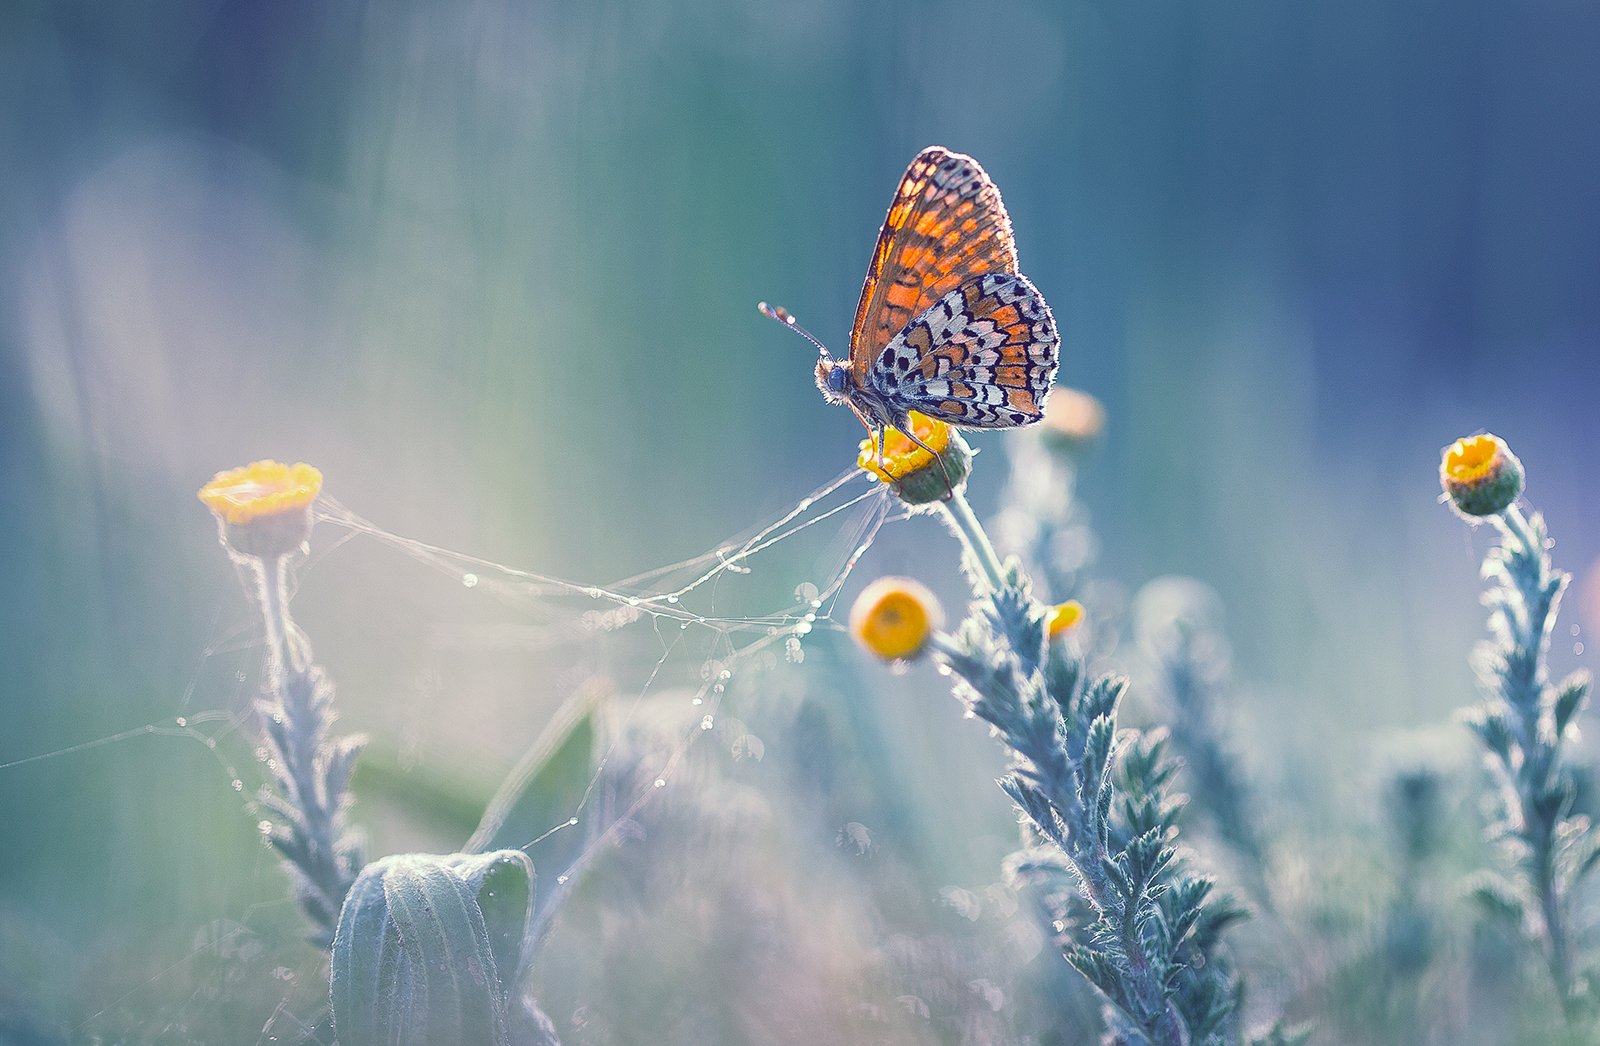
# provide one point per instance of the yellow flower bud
(265, 507)
(1062, 618)
(894, 617)
(1481, 475)
(917, 476)
(1073, 421)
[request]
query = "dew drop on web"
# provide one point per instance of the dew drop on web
(470, 580)
(793, 650)
(806, 592)
(707, 723)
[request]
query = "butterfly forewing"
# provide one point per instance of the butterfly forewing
(945, 226)
(984, 356)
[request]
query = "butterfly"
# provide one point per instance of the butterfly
(946, 325)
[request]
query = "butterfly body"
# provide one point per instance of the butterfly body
(946, 325)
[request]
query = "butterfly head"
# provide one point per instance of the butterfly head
(833, 378)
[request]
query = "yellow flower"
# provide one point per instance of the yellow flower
(894, 617)
(264, 508)
(917, 476)
(1073, 420)
(1062, 618)
(1480, 474)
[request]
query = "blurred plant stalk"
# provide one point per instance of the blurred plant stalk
(1525, 721)
(264, 512)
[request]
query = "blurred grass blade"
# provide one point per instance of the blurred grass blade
(546, 788)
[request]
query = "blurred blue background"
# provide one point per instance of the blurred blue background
(493, 265)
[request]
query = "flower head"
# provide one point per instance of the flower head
(264, 508)
(1481, 475)
(917, 476)
(894, 617)
(1073, 421)
(1062, 618)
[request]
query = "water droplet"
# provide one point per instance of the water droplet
(633, 601)
(672, 597)
(264, 827)
(803, 628)
(661, 782)
(182, 721)
(698, 701)
(277, 717)
(571, 821)
(1576, 629)
(793, 650)
(707, 723)
(470, 580)
(211, 742)
(261, 754)
(805, 503)
(719, 688)
(1577, 648)
(592, 593)
(816, 604)
(684, 625)
(561, 880)
(238, 677)
(805, 592)
(238, 785)
(149, 728)
(726, 674)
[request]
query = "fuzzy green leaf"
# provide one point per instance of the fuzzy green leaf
(428, 948)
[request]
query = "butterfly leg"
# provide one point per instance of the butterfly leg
(949, 484)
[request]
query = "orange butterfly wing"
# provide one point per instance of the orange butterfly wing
(945, 226)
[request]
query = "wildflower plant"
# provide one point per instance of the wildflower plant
(1150, 938)
(1526, 722)
(264, 513)
(1178, 628)
(425, 947)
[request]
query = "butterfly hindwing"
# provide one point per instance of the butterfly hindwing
(946, 225)
(983, 356)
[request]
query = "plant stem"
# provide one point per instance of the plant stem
(966, 526)
(1538, 589)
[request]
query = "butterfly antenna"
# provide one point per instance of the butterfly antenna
(783, 316)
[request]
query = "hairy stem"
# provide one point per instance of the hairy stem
(965, 523)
